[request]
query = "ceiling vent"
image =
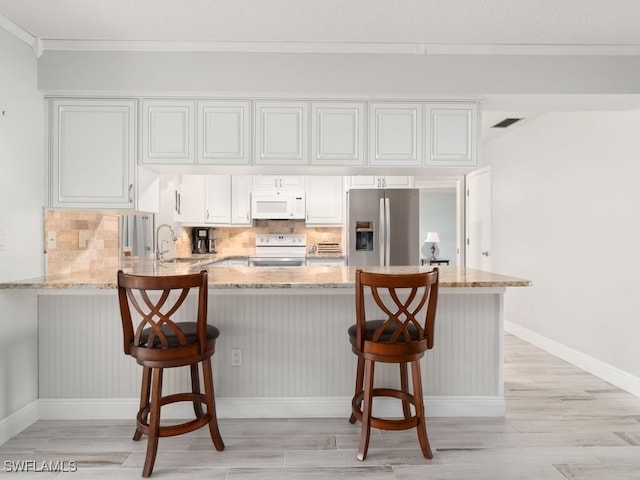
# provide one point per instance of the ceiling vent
(507, 122)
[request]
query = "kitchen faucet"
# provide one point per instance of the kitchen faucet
(159, 251)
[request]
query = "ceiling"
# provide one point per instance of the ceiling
(456, 25)
(452, 22)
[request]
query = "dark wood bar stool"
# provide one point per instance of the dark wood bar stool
(159, 342)
(399, 337)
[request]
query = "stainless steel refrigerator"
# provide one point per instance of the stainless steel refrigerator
(383, 227)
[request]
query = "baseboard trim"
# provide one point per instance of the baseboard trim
(609, 373)
(268, 407)
(18, 421)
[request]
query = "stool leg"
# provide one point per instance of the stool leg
(359, 380)
(144, 397)
(419, 402)
(366, 409)
(404, 386)
(154, 422)
(211, 405)
(195, 388)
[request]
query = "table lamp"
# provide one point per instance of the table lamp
(433, 238)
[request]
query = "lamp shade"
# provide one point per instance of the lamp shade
(432, 237)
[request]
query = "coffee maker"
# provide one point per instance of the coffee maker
(202, 240)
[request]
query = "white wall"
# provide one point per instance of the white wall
(22, 184)
(21, 205)
(438, 214)
(565, 215)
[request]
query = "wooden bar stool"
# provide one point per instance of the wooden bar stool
(399, 337)
(159, 342)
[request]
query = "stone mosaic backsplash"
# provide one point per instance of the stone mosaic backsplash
(80, 241)
(89, 240)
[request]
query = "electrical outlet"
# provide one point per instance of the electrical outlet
(236, 357)
(83, 238)
(51, 239)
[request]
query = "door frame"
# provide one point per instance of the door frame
(446, 183)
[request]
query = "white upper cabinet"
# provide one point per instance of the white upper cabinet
(241, 199)
(168, 132)
(452, 138)
(281, 133)
(395, 134)
(93, 146)
(218, 204)
(337, 133)
(325, 200)
(224, 132)
(385, 181)
(191, 199)
(278, 182)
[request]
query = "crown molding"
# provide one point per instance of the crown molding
(16, 30)
(337, 48)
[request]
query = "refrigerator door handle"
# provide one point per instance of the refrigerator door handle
(381, 231)
(387, 230)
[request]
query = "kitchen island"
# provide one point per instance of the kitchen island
(290, 324)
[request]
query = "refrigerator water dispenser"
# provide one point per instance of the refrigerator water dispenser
(364, 236)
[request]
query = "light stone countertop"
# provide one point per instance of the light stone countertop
(261, 277)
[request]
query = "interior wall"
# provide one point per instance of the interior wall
(21, 206)
(354, 74)
(565, 216)
(438, 214)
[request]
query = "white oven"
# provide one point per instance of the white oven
(278, 205)
(280, 250)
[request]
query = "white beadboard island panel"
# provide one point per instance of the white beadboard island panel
(297, 360)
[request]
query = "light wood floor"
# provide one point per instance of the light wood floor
(561, 423)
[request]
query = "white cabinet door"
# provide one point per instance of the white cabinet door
(325, 200)
(224, 133)
(388, 181)
(337, 133)
(452, 134)
(281, 133)
(218, 208)
(278, 182)
(398, 181)
(395, 134)
(241, 199)
(168, 132)
(93, 153)
(192, 199)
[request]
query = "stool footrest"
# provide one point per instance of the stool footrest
(178, 429)
(386, 423)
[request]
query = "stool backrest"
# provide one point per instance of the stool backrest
(155, 311)
(407, 300)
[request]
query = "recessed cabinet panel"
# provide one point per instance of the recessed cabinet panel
(93, 153)
(278, 182)
(281, 133)
(167, 132)
(452, 139)
(337, 134)
(224, 133)
(395, 132)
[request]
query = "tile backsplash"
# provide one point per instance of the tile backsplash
(80, 241)
(90, 240)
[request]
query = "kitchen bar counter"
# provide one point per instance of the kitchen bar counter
(290, 324)
(263, 277)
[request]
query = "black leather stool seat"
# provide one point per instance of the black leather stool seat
(190, 330)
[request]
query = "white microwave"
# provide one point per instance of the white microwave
(278, 205)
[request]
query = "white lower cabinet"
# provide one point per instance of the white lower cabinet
(325, 200)
(93, 153)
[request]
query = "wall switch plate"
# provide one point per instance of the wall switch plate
(51, 239)
(236, 357)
